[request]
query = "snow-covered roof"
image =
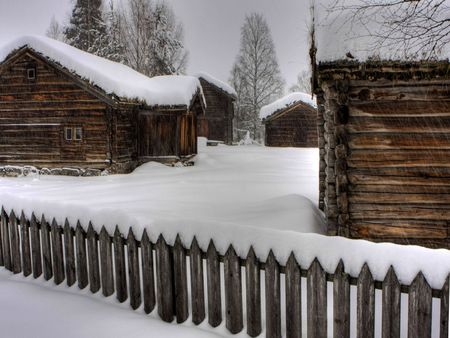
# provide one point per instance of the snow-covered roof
(216, 82)
(287, 101)
(111, 77)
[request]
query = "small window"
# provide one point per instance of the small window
(78, 133)
(31, 73)
(68, 134)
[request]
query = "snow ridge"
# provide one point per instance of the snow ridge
(284, 102)
(216, 82)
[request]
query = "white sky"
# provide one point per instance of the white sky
(212, 29)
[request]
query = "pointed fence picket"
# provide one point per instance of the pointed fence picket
(67, 252)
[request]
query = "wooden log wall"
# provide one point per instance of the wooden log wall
(34, 113)
(294, 127)
(165, 282)
(387, 155)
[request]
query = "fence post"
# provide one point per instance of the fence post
(94, 269)
(82, 270)
(419, 308)
(119, 265)
(147, 273)
(253, 292)
(214, 286)
(133, 271)
(317, 301)
(26, 255)
(390, 326)
(15, 243)
(5, 240)
(58, 259)
(273, 297)
(69, 253)
(106, 265)
(36, 247)
(233, 292)
(46, 249)
(341, 302)
(164, 280)
(180, 281)
(444, 309)
(293, 299)
(197, 288)
(365, 304)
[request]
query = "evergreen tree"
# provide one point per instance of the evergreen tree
(114, 49)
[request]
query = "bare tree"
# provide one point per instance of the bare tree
(255, 75)
(421, 28)
(303, 83)
(55, 30)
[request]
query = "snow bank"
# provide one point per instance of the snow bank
(284, 102)
(216, 82)
(111, 77)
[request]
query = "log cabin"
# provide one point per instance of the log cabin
(291, 122)
(384, 139)
(61, 107)
(217, 122)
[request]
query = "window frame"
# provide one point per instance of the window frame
(66, 130)
(31, 69)
(75, 134)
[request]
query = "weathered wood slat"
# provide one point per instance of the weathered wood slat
(443, 327)
(106, 264)
(341, 302)
(253, 294)
(233, 292)
(390, 326)
(2, 261)
(164, 281)
(5, 240)
(147, 273)
(273, 297)
(317, 301)
(93, 261)
(15, 243)
(214, 286)
(57, 249)
(119, 266)
(82, 267)
(35, 247)
(180, 279)
(197, 286)
(25, 245)
(133, 271)
(46, 249)
(365, 304)
(293, 299)
(419, 308)
(69, 254)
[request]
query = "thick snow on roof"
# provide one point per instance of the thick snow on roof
(111, 77)
(341, 32)
(216, 82)
(288, 100)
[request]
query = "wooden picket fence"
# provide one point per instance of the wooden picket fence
(157, 275)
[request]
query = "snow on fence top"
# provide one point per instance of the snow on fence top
(111, 77)
(285, 102)
(219, 84)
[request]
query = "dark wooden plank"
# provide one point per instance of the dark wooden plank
(15, 243)
(69, 254)
(106, 264)
(197, 284)
(46, 249)
(25, 245)
(180, 279)
(133, 271)
(293, 299)
(317, 301)
(82, 268)
(147, 273)
(341, 302)
(273, 297)
(6, 246)
(35, 247)
(213, 286)
(119, 266)
(57, 249)
(233, 292)
(253, 294)
(93, 261)
(2, 261)
(419, 308)
(164, 281)
(443, 330)
(365, 304)
(390, 316)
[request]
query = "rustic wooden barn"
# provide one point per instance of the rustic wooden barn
(59, 109)
(384, 131)
(217, 122)
(291, 122)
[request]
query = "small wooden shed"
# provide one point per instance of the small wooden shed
(64, 108)
(217, 122)
(291, 122)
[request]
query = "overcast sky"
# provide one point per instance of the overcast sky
(212, 29)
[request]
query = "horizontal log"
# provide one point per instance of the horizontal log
(398, 198)
(399, 189)
(399, 108)
(433, 213)
(399, 141)
(405, 124)
(370, 230)
(417, 172)
(399, 92)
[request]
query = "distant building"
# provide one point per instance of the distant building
(64, 108)
(217, 123)
(291, 122)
